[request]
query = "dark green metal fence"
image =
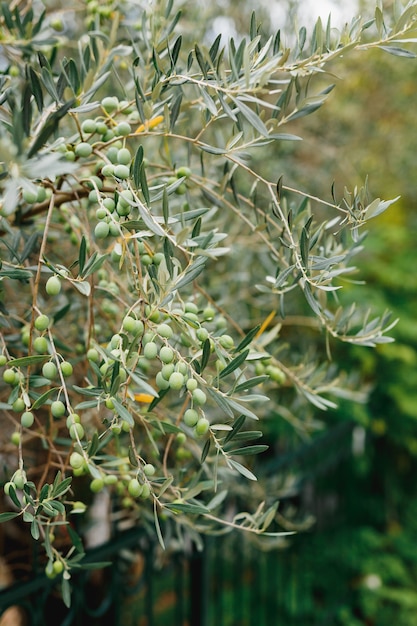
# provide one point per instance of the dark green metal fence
(231, 582)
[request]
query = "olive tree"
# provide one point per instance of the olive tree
(152, 255)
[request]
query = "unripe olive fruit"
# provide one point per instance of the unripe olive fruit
(42, 322)
(221, 322)
(93, 355)
(146, 491)
(181, 189)
(191, 384)
(101, 213)
(202, 334)
(226, 341)
(93, 196)
(134, 487)
(96, 485)
(183, 368)
(73, 418)
(208, 313)
(109, 403)
(124, 156)
(123, 210)
(121, 171)
(146, 259)
(3, 360)
(49, 370)
(27, 418)
(164, 330)
(101, 230)
(112, 153)
(176, 380)
(191, 417)
(110, 479)
(123, 129)
(110, 104)
(166, 354)
(78, 507)
(58, 408)
(202, 426)
(76, 460)
(76, 431)
(132, 325)
(181, 438)
(49, 570)
(57, 24)
(199, 397)
(149, 469)
(66, 369)
(80, 471)
(19, 479)
(89, 126)
(53, 286)
(30, 196)
(167, 370)
(7, 487)
(183, 171)
(276, 374)
(58, 567)
(40, 345)
(15, 438)
(9, 376)
(18, 405)
(107, 170)
(150, 350)
(190, 307)
(109, 204)
(161, 382)
(83, 149)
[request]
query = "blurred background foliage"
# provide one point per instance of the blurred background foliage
(366, 544)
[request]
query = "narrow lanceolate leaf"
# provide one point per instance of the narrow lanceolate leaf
(206, 354)
(253, 119)
(304, 247)
(168, 254)
(247, 340)
(239, 421)
(187, 507)
(62, 488)
(311, 299)
(200, 60)
(82, 254)
(123, 412)
(137, 164)
(249, 450)
(399, 52)
(42, 398)
(241, 469)
(157, 526)
(234, 364)
(36, 89)
(29, 360)
(8, 515)
(209, 102)
(205, 451)
(191, 273)
(49, 127)
(144, 183)
(175, 110)
(16, 274)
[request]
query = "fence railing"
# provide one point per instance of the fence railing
(231, 582)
